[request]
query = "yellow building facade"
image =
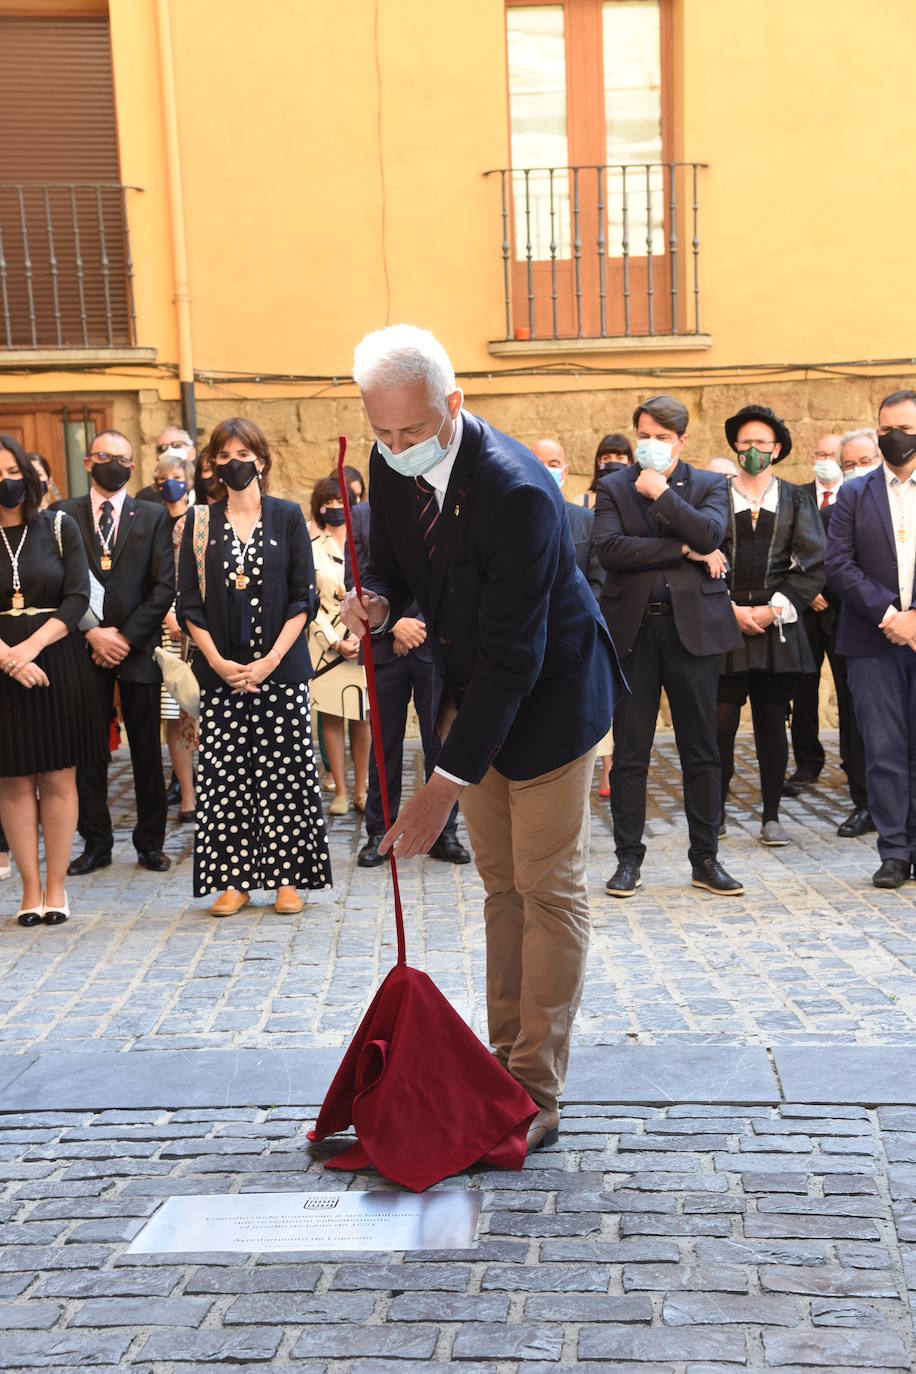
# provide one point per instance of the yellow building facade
(301, 171)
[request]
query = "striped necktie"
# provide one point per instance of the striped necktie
(428, 512)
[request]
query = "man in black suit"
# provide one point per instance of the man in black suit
(820, 627)
(672, 619)
(403, 665)
(551, 453)
(466, 522)
(871, 561)
(132, 572)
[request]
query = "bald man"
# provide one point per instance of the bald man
(551, 453)
(176, 442)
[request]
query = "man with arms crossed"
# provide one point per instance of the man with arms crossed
(469, 524)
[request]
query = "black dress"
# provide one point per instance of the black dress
(260, 822)
(43, 729)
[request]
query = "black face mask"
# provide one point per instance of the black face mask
(44, 486)
(12, 492)
(111, 476)
(897, 447)
(334, 517)
(238, 473)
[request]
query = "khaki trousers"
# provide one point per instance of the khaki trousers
(530, 842)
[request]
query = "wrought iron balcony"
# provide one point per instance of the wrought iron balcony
(601, 251)
(66, 273)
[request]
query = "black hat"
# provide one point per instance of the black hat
(779, 428)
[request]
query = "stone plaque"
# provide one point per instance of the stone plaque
(260, 1222)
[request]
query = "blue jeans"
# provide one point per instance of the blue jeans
(884, 695)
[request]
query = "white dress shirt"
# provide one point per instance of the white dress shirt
(822, 490)
(901, 497)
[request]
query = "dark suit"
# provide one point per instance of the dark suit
(861, 566)
(396, 677)
(150, 493)
(671, 622)
(820, 627)
(518, 640)
(139, 589)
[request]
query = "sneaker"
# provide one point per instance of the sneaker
(625, 880)
(773, 834)
(713, 877)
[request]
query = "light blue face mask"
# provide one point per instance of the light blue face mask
(654, 453)
(557, 475)
(419, 458)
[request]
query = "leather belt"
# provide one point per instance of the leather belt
(658, 608)
(31, 610)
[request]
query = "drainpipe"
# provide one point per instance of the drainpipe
(176, 207)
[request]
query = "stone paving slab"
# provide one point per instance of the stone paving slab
(872, 1074)
(667, 1267)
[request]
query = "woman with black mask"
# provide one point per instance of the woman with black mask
(246, 592)
(50, 718)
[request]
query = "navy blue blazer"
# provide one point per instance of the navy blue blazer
(861, 564)
(514, 629)
(289, 589)
(636, 539)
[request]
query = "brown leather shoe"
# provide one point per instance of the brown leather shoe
(229, 902)
(544, 1130)
(288, 901)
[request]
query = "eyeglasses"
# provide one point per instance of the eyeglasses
(861, 462)
(820, 453)
(747, 444)
(99, 457)
(175, 443)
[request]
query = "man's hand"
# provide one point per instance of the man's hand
(107, 646)
(408, 634)
(764, 616)
(422, 820)
(348, 648)
(716, 563)
(900, 627)
(820, 603)
(746, 622)
(650, 484)
(362, 615)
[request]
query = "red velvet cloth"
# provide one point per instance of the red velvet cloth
(426, 1098)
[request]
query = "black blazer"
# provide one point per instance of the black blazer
(514, 630)
(635, 538)
(289, 589)
(140, 586)
(861, 565)
(382, 645)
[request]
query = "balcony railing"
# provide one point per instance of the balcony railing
(66, 273)
(601, 251)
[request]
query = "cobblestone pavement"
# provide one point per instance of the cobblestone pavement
(686, 1240)
(812, 953)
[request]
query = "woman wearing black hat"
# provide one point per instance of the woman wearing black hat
(775, 551)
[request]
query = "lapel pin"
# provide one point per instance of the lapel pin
(457, 510)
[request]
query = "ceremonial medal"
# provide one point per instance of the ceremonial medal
(240, 580)
(18, 601)
(901, 536)
(105, 561)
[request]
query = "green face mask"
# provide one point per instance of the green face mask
(754, 461)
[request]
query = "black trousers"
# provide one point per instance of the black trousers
(807, 749)
(395, 681)
(770, 694)
(658, 659)
(140, 703)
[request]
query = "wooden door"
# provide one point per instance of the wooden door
(43, 428)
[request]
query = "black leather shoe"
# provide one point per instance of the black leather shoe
(88, 862)
(796, 784)
(173, 792)
(450, 850)
(368, 856)
(153, 859)
(858, 822)
(892, 873)
(625, 880)
(714, 878)
(29, 918)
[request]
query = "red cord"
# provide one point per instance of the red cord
(374, 722)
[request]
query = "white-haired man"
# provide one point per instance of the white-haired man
(469, 524)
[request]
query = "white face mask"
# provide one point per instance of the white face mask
(419, 458)
(654, 453)
(557, 475)
(859, 472)
(828, 470)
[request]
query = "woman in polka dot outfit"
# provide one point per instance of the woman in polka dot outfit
(259, 817)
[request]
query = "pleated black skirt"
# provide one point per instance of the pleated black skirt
(43, 729)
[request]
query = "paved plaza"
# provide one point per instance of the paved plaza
(734, 1186)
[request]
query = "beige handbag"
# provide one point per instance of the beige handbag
(177, 675)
